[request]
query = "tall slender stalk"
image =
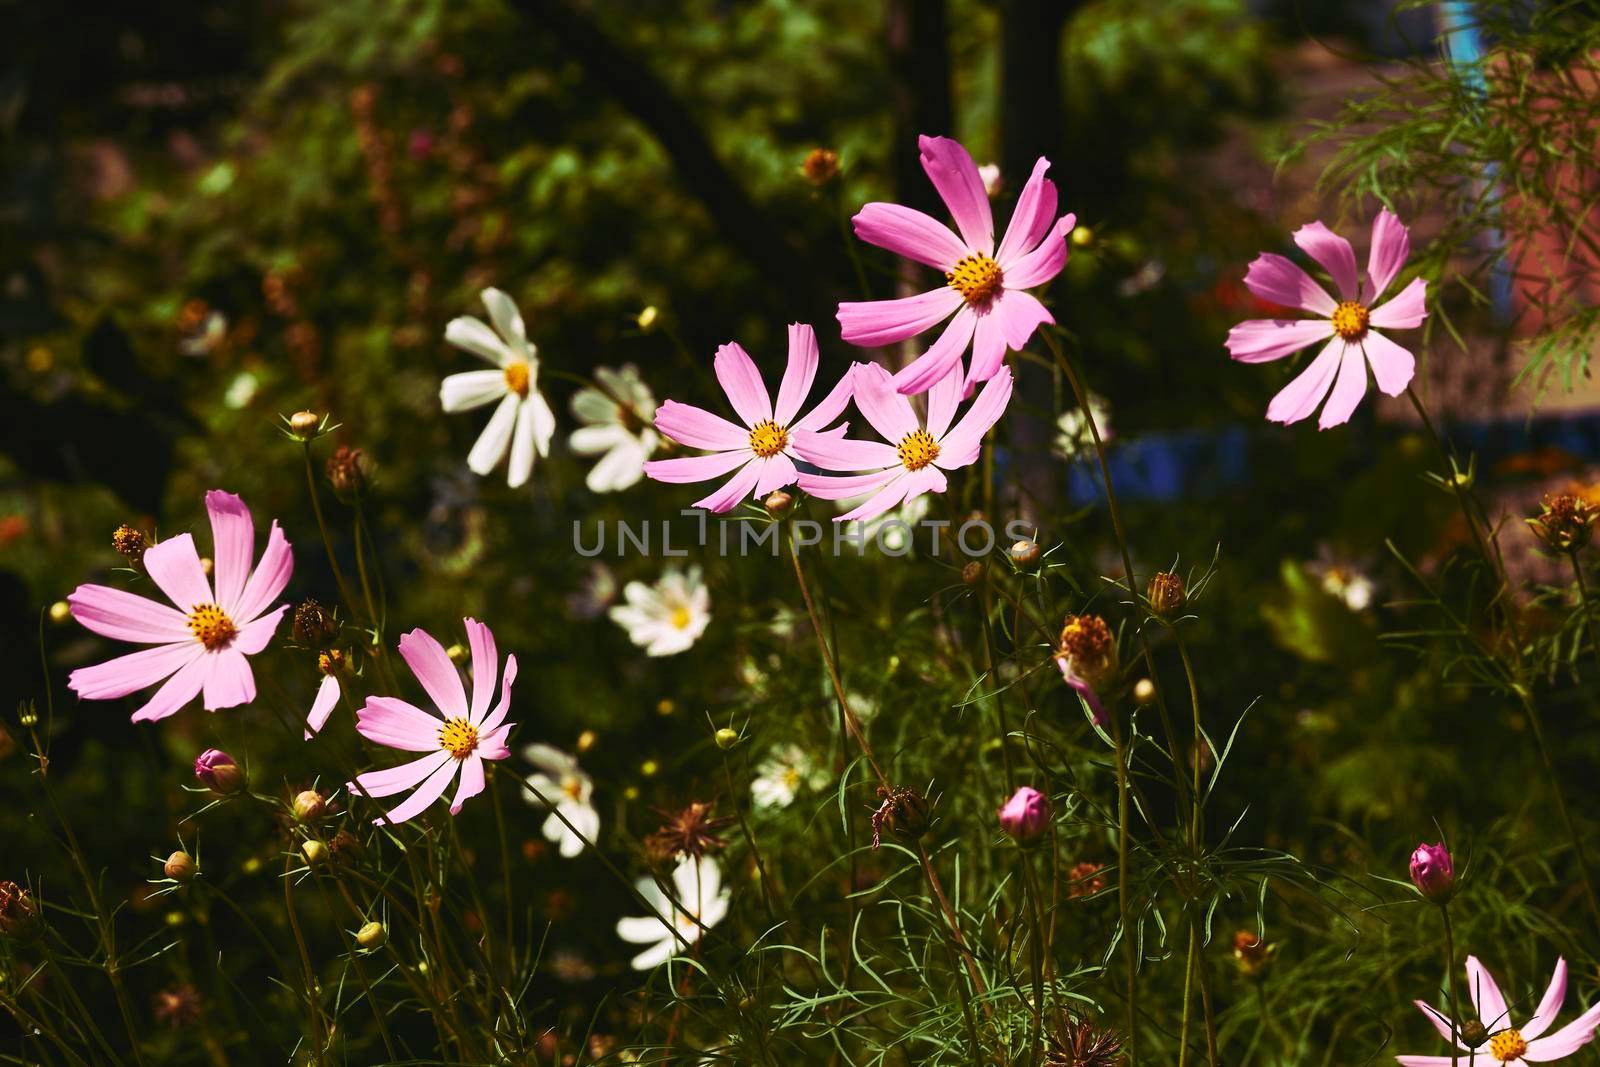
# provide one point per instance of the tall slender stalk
(1130, 957)
(1196, 839)
(1583, 605)
(1450, 983)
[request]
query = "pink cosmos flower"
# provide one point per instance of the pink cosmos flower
(984, 288)
(762, 450)
(916, 462)
(200, 646)
(1508, 1043)
(459, 738)
(1339, 372)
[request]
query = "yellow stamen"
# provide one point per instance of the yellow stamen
(917, 450)
(458, 737)
(331, 661)
(210, 626)
(572, 787)
(1350, 320)
(976, 277)
(517, 378)
(680, 618)
(768, 438)
(1507, 1045)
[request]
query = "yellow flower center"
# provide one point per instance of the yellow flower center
(517, 377)
(917, 450)
(458, 737)
(768, 438)
(1350, 320)
(1507, 1045)
(680, 618)
(331, 661)
(210, 626)
(572, 787)
(976, 277)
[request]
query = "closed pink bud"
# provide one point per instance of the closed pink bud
(218, 772)
(1026, 815)
(1432, 872)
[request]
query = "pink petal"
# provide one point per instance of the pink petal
(943, 399)
(1550, 1006)
(393, 722)
(798, 374)
(1261, 340)
(1300, 397)
(125, 617)
(698, 428)
(1275, 278)
(1406, 311)
(1348, 389)
(1044, 262)
(471, 782)
(431, 664)
(430, 790)
(885, 499)
(1036, 209)
(254, 637)
(955, 175)
(1084, 690)
(1565, 1041)
(960, 446)
(831, 488)
(485, 666)
(988, 348)
(229, 682)
(392, 780)
(1391, 244)
(1333, 252)
(776, 472)
(742, 382)
(735, 489)
(1427, 1061)
(697, 468)
(1020, 314)
(502, 709)
(271, 575)
(178, 691)
(926, 480)
(492, 745)
(327, 699)
(1392, 365)
(174, 566)
(233, 540)
(126, 674)
(1440, 1022)
(888, 412)
(871, 323)
(932, 366)
(911, 233)
(830, 407)
(1486, 996)
(844, 453)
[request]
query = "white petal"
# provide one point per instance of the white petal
(492, 443)
(471, 389)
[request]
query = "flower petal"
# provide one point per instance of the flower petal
(798, 374)
(1487, 999)
(1550, 1005)
(174, 566)
(522, 445)
(832, 488)
(429, 791)
(326, 700)
(230, 682)
(124, 616)
(1300, 397)
(735, 489)
(392, 780)
(472, 335)
(233, 546)
(1333, 253)
(1406, 310)
(698, 428)
(889, 412)
(492, 443)
(873, 323)
(932, 366)
(1045, 262)
(431, 664)
(549, 759)
(490, 725)
(508, 322)
(943, 399)
(1565, 1041)
(1262, 340)
(395, 723)
(988, 348)
(126, 674)
(1391, 244)
(485, 666)
(1348, 389)
(1030, 221)
(843, 453)
(960, 446)
(471, 783)
(740, 379)
(1392, 365)
(1278, 279)
(911, 233)
(960, 186)
(890, 496)
(697, 468)
(776, 472)
(272, 573)
(178, 691)
(472, 389)
(829, 408)
(1020, 314)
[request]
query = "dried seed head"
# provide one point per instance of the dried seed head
(903, 812)
(1565, 522)
(178, 1007)
(345, 846)
(1085, 880)
(128, 542)
(1079, 1043)
(692, 830)
(314, 625)
(347, 471)
(19, 918)
(821, 166)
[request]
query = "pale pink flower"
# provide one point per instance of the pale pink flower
(1509, 1043)
(762, 450)
(984, 290)
(200, 646)
(458, 739)
(916, 461)
(1339, 372)
(327, 699)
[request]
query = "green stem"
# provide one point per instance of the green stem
(1188, 984)
(313, 1001)
(1583, 603)
(1450, 983)
(1130, 958)
(1196, 841)
(1536, 721)
(985, 607)
(322, 528)
(1037, 951)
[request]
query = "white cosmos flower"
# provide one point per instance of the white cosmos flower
(668, 617)
(616, 428)
(1072, 431)
(522, 420)
(559, 780)
(697, 885)
(782, 774)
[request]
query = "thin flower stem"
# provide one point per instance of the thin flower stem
(750, 839)
(28, 1024)
(1450, 983)
(1583, 604)
(505, 865)
(985, 605)
(354, 954)
(322, 527)
(1037, 952)
(1130, 958)
(319, 1026)
(1188, 983)
(1536, 721)
(1196, 841)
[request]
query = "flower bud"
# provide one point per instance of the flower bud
(647, 317)
(303, 424)
(128, 542)
(1166, 594)
(60, 612)
(1252, 954)
(1565, 522)
(19, 918)
(1026, 815)
(180, 866)
(309, 805)
(586, 741)
(778, 503)
(315, 853)
(1026, 554)
(727, 737)
(314, 625)
(345, 846)
(1433, 872)
(217, 771)
(821, 166)
(972, 573)
(1144, 691)
(904, 813)
(371, 936)
(1081, 236)
(1090, 649)
(347, 472)
(1474, 1034)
